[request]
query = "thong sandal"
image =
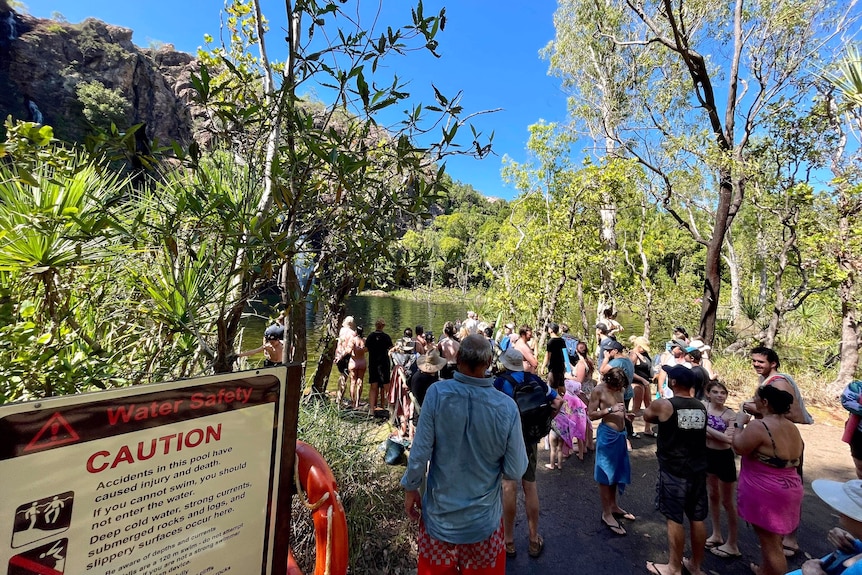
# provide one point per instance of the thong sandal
(624, 515)
(510, 549)
(615, 529)
(790, 552)
(536, 547)
(719, 552)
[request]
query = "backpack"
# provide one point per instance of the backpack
(537, 413)
(571, 347)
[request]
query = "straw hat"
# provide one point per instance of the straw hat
(512, 359)
(431, 362)
(641, 341)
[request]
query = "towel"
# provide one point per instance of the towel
(571, 422)
(612, 458)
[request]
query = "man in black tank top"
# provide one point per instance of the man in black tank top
(681, 489)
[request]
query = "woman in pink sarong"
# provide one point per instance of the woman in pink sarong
(769, 495)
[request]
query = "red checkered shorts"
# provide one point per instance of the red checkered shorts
(486, 557)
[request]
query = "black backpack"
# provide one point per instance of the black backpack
(537, 413)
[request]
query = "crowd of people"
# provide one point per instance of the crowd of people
(454, 396)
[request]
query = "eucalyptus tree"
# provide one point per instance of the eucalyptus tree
(553, 236)
(795, 218)
(695, 81)
(336, 185)
(844, 112)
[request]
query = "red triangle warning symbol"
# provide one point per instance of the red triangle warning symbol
(56, 431)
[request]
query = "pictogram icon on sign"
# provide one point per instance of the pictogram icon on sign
(42, 518)
(48, 559)
(56, 431)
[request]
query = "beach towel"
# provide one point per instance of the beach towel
(571, 422)
(612, 458)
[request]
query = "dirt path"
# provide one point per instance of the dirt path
(575, 542)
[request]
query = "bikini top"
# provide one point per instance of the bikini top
(775, 461)
(716, 422)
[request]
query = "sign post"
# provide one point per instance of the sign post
(180, 478)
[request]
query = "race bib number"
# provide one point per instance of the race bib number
(691, 418)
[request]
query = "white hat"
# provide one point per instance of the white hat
(512, 359)
(697, 344)
(348, 321)
(845, 498)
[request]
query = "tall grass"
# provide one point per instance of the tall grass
(382, 540)
(736, 373)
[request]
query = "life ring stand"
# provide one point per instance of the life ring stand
(318, 491)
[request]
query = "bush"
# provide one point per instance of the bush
(382, 539)
(102, 106)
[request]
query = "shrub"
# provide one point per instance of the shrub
(382, 540)
(102, 106)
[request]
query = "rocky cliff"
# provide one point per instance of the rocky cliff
(43, 64)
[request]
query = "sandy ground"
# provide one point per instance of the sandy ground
(576, 542)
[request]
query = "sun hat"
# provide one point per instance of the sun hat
(642, 342)
(572, 386)
(843, 497)
(512, 359)
(431, 362)
(697, 344)
(348, 321)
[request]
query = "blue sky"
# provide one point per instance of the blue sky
(489, 50)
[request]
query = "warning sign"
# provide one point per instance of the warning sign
(172, 478)
(56, 431)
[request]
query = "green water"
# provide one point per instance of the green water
(397, 313)
(401, 313)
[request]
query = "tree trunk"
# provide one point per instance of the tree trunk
(335, 313)
(712, 266)
(735, 280)
(585, 326)
(850, 339)
(762, 254)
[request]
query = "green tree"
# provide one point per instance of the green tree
(675, 119)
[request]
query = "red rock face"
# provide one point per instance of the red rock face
(47, 60)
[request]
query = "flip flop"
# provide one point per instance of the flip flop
(711, 544)
(652, 568)
(536, 548)
(617, 529)
(511, 551)
(625, 515)
(718, 552)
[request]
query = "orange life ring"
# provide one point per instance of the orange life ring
(319, 491)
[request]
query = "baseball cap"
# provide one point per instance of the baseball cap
(681, 374)
(609, 344)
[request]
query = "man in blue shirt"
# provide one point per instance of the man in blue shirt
(513, 362)
(471, 435)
